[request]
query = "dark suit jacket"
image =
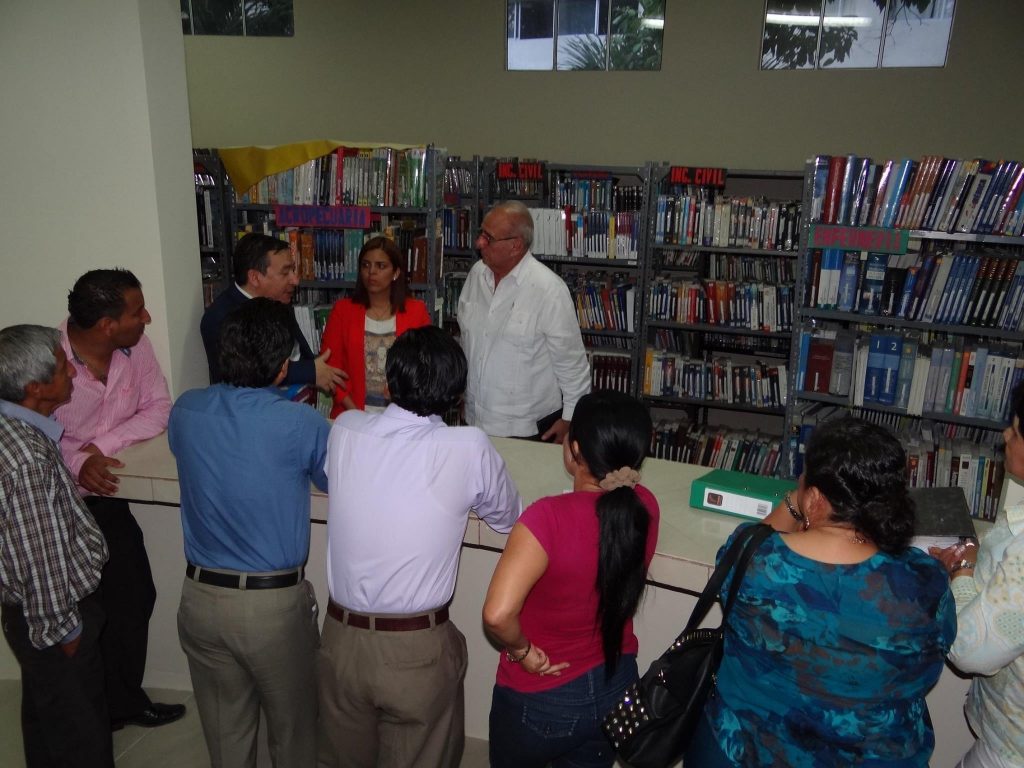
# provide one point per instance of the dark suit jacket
(301, 371)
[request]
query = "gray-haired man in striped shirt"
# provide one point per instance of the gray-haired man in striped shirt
(51, 553)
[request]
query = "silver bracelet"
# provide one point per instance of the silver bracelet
(963, 565)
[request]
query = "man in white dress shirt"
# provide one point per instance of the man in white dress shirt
(391, 664)
(527, 364)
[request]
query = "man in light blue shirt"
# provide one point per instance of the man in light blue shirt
(248, 620)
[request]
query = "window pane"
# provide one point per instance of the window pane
(581, 37)
(269, 18)
(637, 34)
(917, 33)
(217, 17)
(530, 34)
(790, 34)
(851, 34)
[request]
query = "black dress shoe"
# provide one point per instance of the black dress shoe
(153, 716)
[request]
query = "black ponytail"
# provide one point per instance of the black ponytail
(614, 431)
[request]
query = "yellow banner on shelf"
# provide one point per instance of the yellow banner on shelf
(247, 165)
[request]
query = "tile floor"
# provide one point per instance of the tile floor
(178, 745)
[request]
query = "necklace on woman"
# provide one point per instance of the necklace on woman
(855, 537)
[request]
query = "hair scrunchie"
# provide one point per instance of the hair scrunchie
(627, 476)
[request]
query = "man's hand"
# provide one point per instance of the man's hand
(328, 377)
(94, 475)
(71, 648)
(557, 432)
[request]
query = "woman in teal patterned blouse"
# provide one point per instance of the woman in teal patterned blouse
(839, 629)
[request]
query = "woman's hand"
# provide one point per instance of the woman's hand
(958, 560)
(537, 662)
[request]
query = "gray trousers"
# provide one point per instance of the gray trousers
(247, 650)
(391, 699)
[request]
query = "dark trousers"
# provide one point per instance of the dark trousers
(63, 706)
(128, 595)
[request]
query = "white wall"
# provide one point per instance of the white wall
(95, 157)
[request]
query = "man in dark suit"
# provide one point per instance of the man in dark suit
(264, 266)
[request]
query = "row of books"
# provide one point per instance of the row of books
(598, 341)
(204, 215)
(729, 266)
(459, 180)
(610, 371)
(450, 292)
(941, 286)
(694, 345)
(575, 194)
(747, 222)
(333, 254)
(717, 379)
(933, 193)
(737, 450)
(896, 370)
(754, 306)
(350, 176)
(586, 235)
(603, 305)
(935, 457)
(457, 228)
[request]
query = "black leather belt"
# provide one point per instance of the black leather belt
(387, 623)
(243, 580)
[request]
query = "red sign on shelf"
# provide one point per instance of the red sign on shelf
(325, 217)
(877, 239)
(517, 170)
(702, 177)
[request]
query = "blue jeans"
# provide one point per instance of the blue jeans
(561, 726)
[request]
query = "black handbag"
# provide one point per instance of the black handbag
(652, 725)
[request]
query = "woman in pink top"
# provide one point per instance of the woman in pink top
(563, 595)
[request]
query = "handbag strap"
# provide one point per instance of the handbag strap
(738, 555)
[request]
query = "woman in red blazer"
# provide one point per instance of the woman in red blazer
(361, 329)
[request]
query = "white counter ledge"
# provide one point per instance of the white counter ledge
(688, 540)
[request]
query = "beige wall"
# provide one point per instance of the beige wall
(96, 164)
(415, 72)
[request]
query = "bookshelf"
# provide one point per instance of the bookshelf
(213, 215)
(912, 312)
(463, 198)
(326, 207)
(718, 308)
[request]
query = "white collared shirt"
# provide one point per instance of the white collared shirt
(523, 344)
(990, 639)
(400, 490)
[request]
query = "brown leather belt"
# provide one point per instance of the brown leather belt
(243, 580)
(387, 623)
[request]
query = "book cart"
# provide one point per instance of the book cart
(911, 312)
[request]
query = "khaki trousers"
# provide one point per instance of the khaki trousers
(391, 699)
(247, 650)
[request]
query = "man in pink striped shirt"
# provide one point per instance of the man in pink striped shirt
(120, 398)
